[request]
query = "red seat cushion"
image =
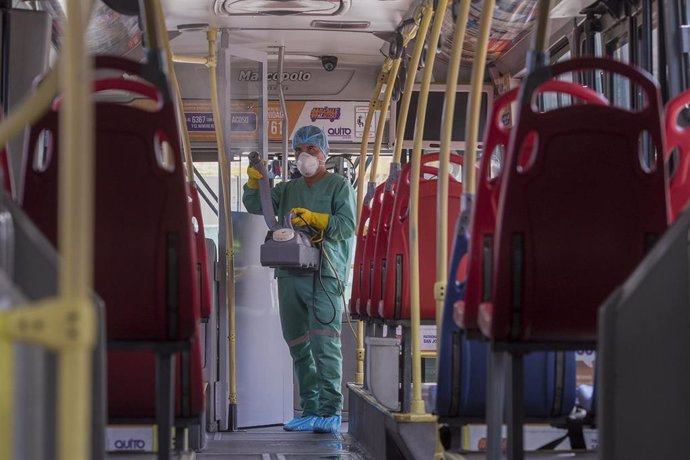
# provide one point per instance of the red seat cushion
(130, 397)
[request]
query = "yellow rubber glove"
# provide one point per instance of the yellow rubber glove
(254, 177)
(317, 220)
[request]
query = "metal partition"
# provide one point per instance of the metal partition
(25, 37)
(643, 372)
(262, 363)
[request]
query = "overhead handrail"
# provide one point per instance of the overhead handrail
(373, 106)
(66, 324)
(474, 108)
(469, 187)
(179, 112)
(418, 26)
(417, 408)
(443, 183)
(444, 161)
(538, 56)
(184, 59)
(421, 16)
(425, 21)
(380, 128)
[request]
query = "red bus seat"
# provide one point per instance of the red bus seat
(395, 301)
(375, 223)
(483, 225)
(144, 247)
(377, 266)
(378, 262)
(678, 137)
(358, 271)
(131, 398)
(577, 219)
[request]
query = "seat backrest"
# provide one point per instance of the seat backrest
(144, 243)
(358, 271)
(377, 265)
(483, 225)
(579, 216)
(395, 301)
(678, 137)
(375, 222)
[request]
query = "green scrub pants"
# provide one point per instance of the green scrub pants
(314, 347)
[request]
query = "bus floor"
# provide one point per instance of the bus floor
(271, 443)
(553, 455)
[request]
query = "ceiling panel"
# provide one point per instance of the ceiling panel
(295, 32)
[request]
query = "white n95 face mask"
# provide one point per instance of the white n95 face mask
(307, 164)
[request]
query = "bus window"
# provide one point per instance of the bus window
(619, 90)
(207, 182)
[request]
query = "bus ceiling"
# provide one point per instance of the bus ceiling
(356, 33)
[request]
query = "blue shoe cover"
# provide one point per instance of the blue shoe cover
(305, 423)
(327, 424)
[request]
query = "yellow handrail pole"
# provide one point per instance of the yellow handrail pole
(373, 105)
(417, 407)
(183, 59)
(443, 183)
(474, 104)
(427, 14)
(542, 34)
(31, 109)
(179, 108)
(469, 171)
(388, 94)
(386, 74)
(75, 235)
(229, 239)
(179, 111)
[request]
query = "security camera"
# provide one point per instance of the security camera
(329, 63)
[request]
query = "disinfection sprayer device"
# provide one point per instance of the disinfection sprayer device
(285, 246)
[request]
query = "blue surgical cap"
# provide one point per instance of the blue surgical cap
(311, 135)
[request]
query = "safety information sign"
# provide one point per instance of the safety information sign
(130, 439)
(342, 121)
(428, 338)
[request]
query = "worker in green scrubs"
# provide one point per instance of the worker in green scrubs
(311, 306)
